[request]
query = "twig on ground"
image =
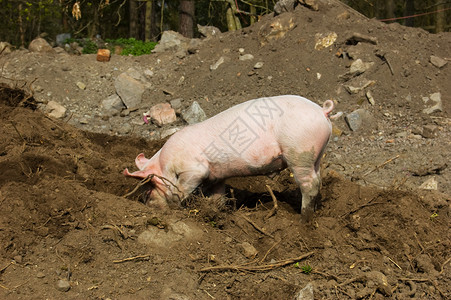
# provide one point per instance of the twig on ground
(441, 267)
(5, 267)
(267, 267)
(381, 165)
(394, 263)
(269, 250)
(369, 203)
(256, 226)
(275, 208)
(18, 132)
(131, 258)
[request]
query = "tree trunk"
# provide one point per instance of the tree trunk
(410, 10)
(148, 21)
(253, 12)
(133, 6)
(389, 9)
(187, 10)
(440, 18)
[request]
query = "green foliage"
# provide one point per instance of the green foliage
(132, 46)
(89, 47)
(306, 269)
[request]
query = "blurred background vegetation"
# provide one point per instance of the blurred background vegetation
(144, 20)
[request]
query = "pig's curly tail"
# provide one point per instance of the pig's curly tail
(328, 107)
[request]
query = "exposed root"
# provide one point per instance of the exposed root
(139, 257)
(274, 210)
(261, 268)
(256, 226)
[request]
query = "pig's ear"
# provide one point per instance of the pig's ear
(141, 161)
(137, 174)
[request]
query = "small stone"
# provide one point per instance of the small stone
(103, 55)
(359, 67)
(246, 57)
(306, 293)
(39, 45)
(370, 98)
(258, 65)
(18, 259)
(194, 114)
(55, 110)
(168, 132)
(437, 61)
(81, 85)
(429, 131)
(162, 114)
(358, 118)
(248, 250)
(176, 104)
(438, 107)
(216, 65)
(430, 184)
(241, 50)
(361, 85)
(63, 285)
(380, 281)
(40, 275)
(148, 73)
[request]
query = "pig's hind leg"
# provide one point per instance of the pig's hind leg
(305, 168)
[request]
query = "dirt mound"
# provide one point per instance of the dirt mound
(67, 231)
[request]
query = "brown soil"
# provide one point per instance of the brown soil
(64, 216)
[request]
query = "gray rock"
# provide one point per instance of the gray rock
(246, 57)
(358, 118)
(358, 85)
(282, 6)
(112, 105)
(437, 61)
(437, 99)
(176, 104)
(208, 31)
(174, 41)
(168, 132)
(359, 67)
(216, 65)
(40, 45)
(306, 293)
(129, 89)
(194, 114)
(258, 65)
(169, 40)
(125, 129)
(63, 285)
(429, 131)
(61, 38)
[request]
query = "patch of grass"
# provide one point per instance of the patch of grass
(306, 269)
(132, 46)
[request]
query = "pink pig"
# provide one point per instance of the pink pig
(257, 137)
